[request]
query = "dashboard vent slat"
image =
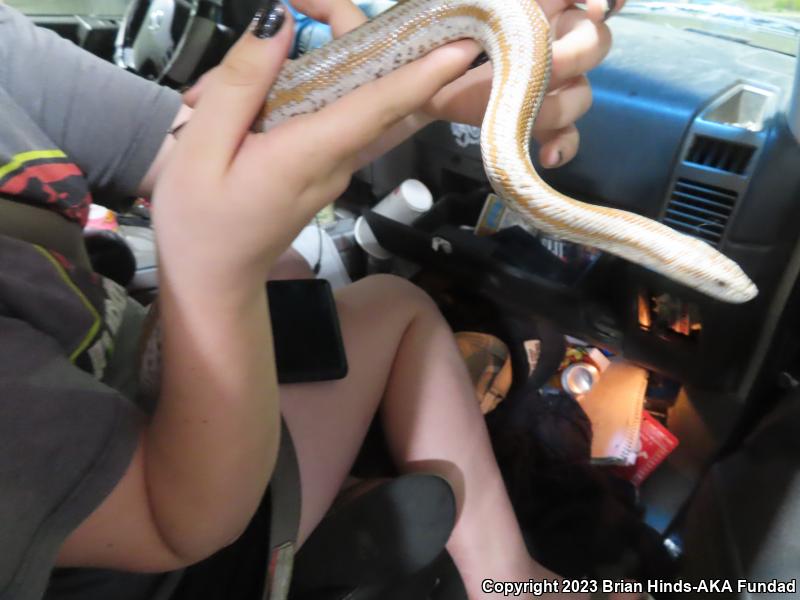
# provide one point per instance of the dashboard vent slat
(710, 205)
(688, 207)
(708, 236)
(720, 154)
(700, 210)
(711, 193)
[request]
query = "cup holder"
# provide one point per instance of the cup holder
(444, 237)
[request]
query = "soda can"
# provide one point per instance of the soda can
(579, 378)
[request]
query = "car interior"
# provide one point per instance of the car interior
(695, 123)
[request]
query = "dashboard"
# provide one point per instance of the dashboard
(685, 128)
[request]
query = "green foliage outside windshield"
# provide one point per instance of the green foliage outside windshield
(782, 8)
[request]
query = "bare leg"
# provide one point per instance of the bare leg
(329, 420)
(403, 358)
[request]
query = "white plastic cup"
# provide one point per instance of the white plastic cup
(404, 204)
(367, 240)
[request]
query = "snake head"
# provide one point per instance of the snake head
(734, 289)
(715, 275)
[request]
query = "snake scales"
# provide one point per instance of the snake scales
(515, 35)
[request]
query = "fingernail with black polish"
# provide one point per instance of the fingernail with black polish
(612, 4)
(268, 20)
(482, 58)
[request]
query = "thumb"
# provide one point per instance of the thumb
(234, 93)
(598, 10)
(192, 95)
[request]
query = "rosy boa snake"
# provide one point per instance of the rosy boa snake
(515, 34)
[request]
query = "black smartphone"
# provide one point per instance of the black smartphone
(305, 328)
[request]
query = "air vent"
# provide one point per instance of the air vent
(720, 154)
(700, 210)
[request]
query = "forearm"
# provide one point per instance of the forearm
(145, 188)
(211, 446)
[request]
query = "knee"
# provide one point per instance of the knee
(398, 291)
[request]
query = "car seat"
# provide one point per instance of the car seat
(743, 523)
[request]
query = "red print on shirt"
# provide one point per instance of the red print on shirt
(54, 182)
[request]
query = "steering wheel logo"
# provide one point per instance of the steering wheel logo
(155, 20)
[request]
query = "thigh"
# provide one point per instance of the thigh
(329, 420)
(236, 571)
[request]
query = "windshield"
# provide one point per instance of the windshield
(771, 24)
(69, 7)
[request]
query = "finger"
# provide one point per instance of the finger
(558, 147)
(601, 10)
(235, 93)
(565, 106)
(615, 7)
(317, 10)
(359, 118)
(192, 95)
(596, 10)
(580, 46)
(341, 15)
(344, 17)
(306, 7)
(552, 8)
(475, 86)
(391, 98)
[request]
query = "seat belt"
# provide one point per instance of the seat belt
(285, 505)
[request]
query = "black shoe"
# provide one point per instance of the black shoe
(391, 531)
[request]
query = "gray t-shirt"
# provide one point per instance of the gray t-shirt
(70, 124)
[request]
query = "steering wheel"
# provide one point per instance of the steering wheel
(172, 41)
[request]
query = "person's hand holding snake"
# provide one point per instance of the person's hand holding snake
(581, 42)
